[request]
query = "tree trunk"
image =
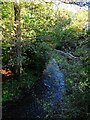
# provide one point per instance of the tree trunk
(17, 41)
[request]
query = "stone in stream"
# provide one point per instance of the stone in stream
(46, 95)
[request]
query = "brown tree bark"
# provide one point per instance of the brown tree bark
(17, 39)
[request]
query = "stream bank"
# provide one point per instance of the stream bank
(43, 98)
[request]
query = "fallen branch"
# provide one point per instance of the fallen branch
(69, 55)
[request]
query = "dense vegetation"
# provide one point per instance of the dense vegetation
(43, 33)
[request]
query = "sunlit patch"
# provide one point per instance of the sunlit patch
(6, 72)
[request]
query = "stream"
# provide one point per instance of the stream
(45, 96)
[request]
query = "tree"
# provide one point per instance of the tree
(17, 38)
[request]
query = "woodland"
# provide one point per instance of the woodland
(33, 33)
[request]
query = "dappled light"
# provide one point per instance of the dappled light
(6, 72)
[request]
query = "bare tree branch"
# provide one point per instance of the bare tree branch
(79, 3)
(69, 55)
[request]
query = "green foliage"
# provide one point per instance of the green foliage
(37, 19)
(77, 95)
(12, 89)
(5, 52)
(35, 56)
(42, 30)
(7, 21)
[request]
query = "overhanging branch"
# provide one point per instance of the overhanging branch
(69, 55)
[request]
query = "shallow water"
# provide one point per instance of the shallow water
(52, 86)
